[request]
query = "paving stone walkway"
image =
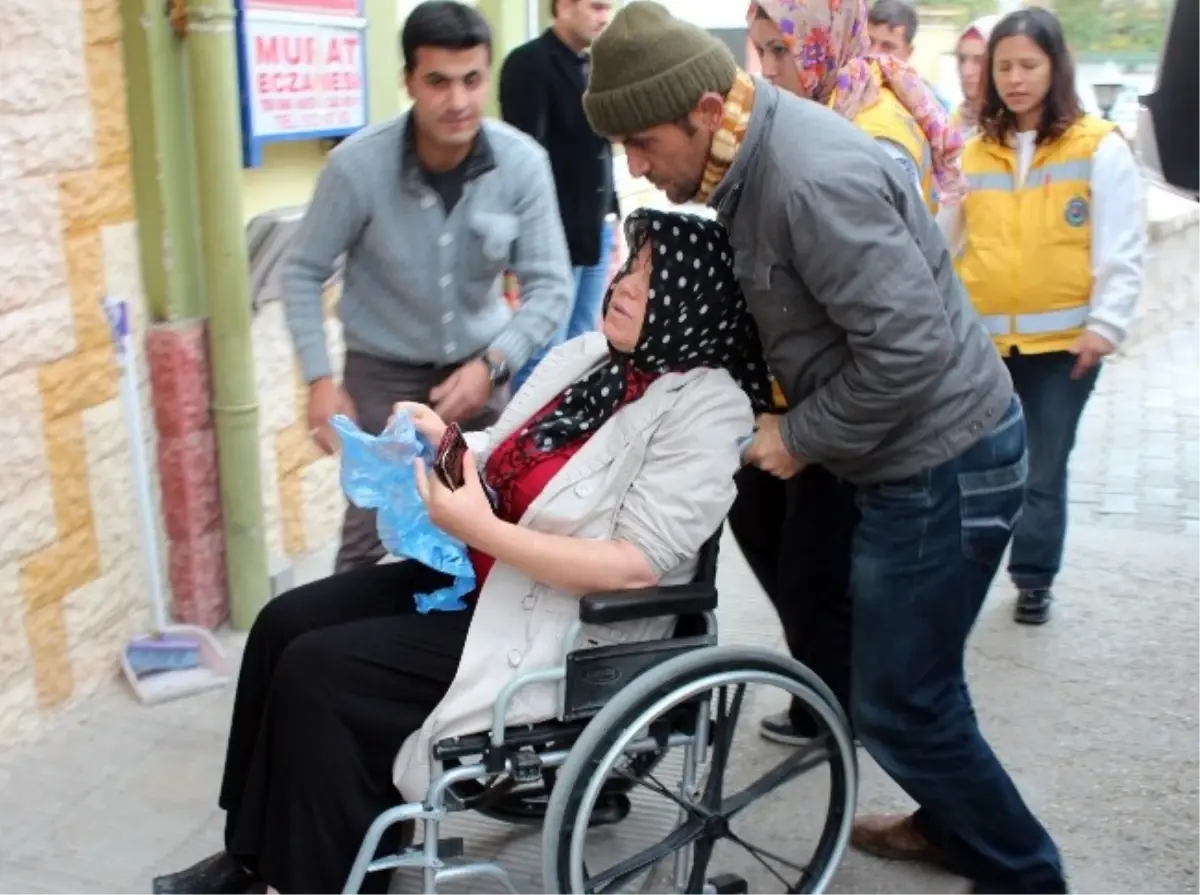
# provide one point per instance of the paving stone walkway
(1096, 714)
(1137, 459)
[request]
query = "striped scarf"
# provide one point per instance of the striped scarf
(728, 139)
(726, 142)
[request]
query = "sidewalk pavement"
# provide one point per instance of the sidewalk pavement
(1095, 714)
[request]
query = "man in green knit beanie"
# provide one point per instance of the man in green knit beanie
(891, 384)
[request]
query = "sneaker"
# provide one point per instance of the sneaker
(1033, 606)
(778, 728)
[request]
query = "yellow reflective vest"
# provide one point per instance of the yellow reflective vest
(887, 119)
(1026, 259)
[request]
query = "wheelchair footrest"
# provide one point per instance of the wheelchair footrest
(451, 848)
(526, 767)
(727, 884)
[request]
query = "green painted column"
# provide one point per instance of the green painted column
(383, 60)
(216, 129)
(163, 162)
(509, 30)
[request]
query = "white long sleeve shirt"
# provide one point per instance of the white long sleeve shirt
(1118, 237)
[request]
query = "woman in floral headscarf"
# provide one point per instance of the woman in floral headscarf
(818, 49)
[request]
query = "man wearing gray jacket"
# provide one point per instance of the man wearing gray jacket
(428, 211)
(892, 383)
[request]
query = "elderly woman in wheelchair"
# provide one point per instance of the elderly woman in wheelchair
(613, 467)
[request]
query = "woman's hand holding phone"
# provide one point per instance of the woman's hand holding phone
(425, 419)
(448, 462)
(463, 512)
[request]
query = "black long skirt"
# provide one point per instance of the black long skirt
(335, 676)
(796, 537)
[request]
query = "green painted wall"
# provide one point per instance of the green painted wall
(383, 53)
(509, 30)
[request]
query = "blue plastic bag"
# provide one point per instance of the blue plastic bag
(377, 474)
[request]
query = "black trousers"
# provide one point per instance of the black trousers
(335, 676)
(796, 536)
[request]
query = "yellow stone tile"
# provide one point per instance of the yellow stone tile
(85, 278)
(106, 88)
(66, 565)
(294, 449)
(66, 459)
(81, 380)
(95, 198)
(301, 394)
(101, 21)
(46, 627)
(330, 298)
(291, 513)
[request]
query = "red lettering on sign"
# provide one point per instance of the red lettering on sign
(284, 50)
(341, 50)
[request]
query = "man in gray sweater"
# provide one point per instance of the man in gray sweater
(428, 211)
(891, 382)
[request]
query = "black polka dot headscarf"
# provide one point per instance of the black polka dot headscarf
(696, 316)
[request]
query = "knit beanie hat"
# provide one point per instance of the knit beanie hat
(649, 68)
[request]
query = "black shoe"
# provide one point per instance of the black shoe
(217, 874)
(1033, 606)
(778, 728)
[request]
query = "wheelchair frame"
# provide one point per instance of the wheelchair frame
(593, 684)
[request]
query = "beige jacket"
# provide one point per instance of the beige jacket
(658, 474)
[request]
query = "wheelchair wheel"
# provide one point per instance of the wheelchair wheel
(702, 694)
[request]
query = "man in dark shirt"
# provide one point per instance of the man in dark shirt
(541, 91)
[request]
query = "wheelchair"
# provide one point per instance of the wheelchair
(624, 709)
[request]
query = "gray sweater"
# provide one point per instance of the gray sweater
(421, 286)
(887, 368)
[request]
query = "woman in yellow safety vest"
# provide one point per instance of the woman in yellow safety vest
(818, 49)
(971, 55)
(1048, 242)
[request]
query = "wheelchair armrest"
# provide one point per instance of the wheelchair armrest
(647, 602)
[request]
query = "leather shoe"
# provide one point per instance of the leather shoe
(896, 837)
(217, 874)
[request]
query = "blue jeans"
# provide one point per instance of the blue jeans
(923, 558)
(590, 285)
(1053, 403)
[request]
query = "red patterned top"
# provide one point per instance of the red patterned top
(518, 471)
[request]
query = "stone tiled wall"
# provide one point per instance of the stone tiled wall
(302, 495)
(72, 585)
(1170, 297)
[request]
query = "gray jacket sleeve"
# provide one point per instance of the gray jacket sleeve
(901, 157)
(853, 250)
(335, 217)
(540, 263)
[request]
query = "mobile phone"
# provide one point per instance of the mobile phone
(448, 462)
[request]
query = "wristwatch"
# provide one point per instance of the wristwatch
(497, 367)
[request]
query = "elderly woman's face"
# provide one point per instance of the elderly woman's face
(627, 303)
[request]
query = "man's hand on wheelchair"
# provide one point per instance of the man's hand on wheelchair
(425, 419)
(463, 512)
